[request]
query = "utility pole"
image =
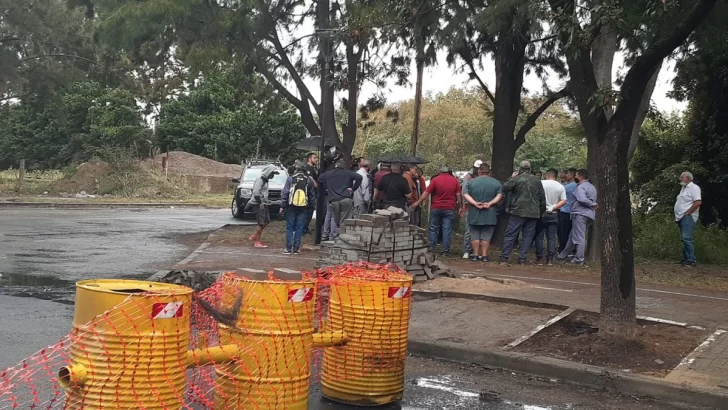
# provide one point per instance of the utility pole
(324, 33)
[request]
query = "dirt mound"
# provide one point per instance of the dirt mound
(89, 177)
(183, 163)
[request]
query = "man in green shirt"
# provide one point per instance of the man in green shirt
(482, 195)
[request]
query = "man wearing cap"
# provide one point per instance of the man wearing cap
(527, 204)
(446, 200)
(467, 244)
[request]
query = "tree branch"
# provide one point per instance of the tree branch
(547, 38)
(302, 88)
(639, 74)
(531, 120)
(58, 55)
(474, 74)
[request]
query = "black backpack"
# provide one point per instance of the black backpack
(298, 195)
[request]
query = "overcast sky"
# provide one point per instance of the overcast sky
(441, 78)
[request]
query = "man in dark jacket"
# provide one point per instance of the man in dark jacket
(298, 194)
(339, 185)
(527, 204)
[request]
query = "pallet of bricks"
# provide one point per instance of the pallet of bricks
(384, 238)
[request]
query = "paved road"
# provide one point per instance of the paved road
(44, 251)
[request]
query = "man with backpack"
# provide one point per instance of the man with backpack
(298, 194)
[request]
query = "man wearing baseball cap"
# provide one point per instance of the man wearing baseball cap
(473, 173)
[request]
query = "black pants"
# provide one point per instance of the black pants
(564, 229)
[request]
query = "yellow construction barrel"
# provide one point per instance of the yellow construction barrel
(274, 335)
(129, 345)
(373, 308)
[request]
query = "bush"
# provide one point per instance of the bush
(657, 237)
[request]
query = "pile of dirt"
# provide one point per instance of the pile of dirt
(183, 163)
(89, 177)
(656, 349)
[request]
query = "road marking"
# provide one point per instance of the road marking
(442, 385)
(597, 285)
(539, 328)
(689, 359)
(665, 321)
(558, 290)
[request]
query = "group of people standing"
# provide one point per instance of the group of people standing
(557, 209)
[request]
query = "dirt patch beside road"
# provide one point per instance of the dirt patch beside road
(656, 349)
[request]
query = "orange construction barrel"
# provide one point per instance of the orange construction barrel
(373, 309)
(129, 345)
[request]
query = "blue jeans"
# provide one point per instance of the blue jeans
(516, 224)
(295, 220)
(444, 218)
(307, 221)
(687, 225)
(548, 230)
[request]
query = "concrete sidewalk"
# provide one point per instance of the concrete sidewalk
(705, 369)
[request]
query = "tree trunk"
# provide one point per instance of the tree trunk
(327, 120)
(614, 222)
(509, 64)
(352, 84)
(418, 102)
(642, 112)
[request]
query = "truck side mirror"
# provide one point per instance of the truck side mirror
(236, 180)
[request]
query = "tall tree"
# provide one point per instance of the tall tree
(608, 136)
(512, 33)
(43, 46)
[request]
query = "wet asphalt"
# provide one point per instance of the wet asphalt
(43, 252)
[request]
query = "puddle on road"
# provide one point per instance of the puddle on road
(42, 287)
(20, 279)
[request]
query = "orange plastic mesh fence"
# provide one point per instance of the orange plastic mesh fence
(240, 344)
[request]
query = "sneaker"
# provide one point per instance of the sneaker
(260, 245)
(475, 258)
(287, 252)
(522, 262)
(466, 255)
(549, 261)
(485, 259)
(688, 264)
(296, 252)
(575, 263)
(539, 261)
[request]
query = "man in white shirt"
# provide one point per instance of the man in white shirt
(686, 216)
(363, 195)
(555, 199)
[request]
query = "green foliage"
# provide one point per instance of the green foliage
(71, 127)
(457, 129)
(226, 116)
(658, 237)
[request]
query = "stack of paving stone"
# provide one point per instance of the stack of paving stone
(384, 237)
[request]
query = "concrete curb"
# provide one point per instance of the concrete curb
(71, 205)
(593, 376)
(428, 295)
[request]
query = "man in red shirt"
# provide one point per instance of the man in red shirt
(446, 199)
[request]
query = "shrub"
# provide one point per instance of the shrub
(657, 237)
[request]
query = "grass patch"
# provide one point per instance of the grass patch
(34, 182)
